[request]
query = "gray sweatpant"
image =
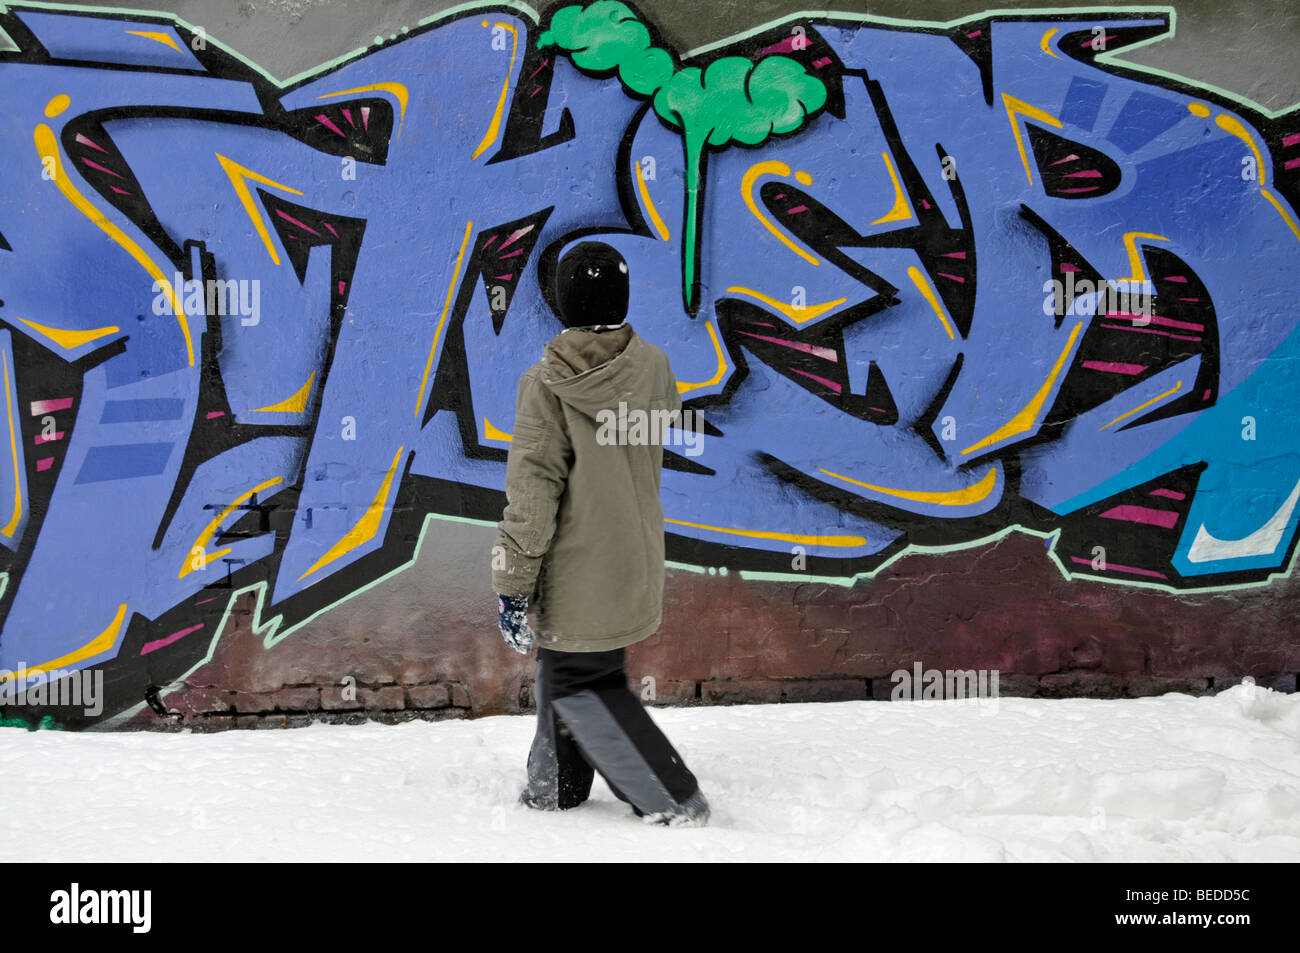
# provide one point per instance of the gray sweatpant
(588, 722)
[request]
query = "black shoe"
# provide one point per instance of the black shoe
(528, 799)
(694, 812)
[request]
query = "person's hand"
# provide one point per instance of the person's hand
(514, 623)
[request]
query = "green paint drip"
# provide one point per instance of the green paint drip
(732, 100)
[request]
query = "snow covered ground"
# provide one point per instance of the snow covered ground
(1169, 778)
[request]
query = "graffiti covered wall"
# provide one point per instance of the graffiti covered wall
(993, 336)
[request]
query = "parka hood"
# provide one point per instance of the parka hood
(595, 370)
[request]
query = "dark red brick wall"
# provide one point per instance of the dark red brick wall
(425, 643)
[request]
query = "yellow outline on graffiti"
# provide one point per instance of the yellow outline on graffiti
(494, 129)
(655, 220)
(783, 537)
(923, 284)
(1173, 390)
(1135, 263)
(1231, 124)
(1024, 420)
(70, 340)
(397, 90)
(1015, 106)
(237, 174)
(493, 433)
(12, 525)
(201, 541)
(164, 38)
(365, 528)
(1047, 38)
(1281, 211)
(96, 646)
(47, 147)
(902, 211)
(791, 311)
(437, 333)
(772, 167)
(684, 386)
(975, 493)
(293, 404)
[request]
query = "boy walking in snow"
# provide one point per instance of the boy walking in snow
(582, 540)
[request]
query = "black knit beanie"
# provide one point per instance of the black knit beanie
(591, 285)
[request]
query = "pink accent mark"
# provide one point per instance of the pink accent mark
(365, 118)
(215, 413)
(925, 203)
(1171, 323)
(44, 463)
(944, 274)
(324, 120)
(51, 405)
(119, 191)
(1291, 164)
(1291, 140)
(1118, 568)
(1156, 319)
(491, 239)
(342, 286)
(86, 142)
(785, 46)
(540, 68)
(506, 277)
(203, 602)
(820, 380)
(1171, 494)
(976, 33)
(1178, 278)
(536, 90)
(954, 254)
(1176, 337)
(1082, 188)
(157, 644)
(1104, 41)
(797, 209)
(347, 114)
(1115, 367)
(95, 165)
(1085, 174)
(781, 196)
(290, 218)
(517, 233)
(1070, 158)
(1206, 395)
(1142, 514)
(517, 251)
(818, 64)
(331, 228)
(1067, 267)
(824, 353)
(1189, 299)
(42, 438)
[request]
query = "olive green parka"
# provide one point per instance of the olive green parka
(582, 534)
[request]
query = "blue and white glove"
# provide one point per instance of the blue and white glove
(514, 623)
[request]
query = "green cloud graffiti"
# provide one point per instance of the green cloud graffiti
(732, 100)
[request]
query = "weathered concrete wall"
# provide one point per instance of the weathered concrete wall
(870, 259)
